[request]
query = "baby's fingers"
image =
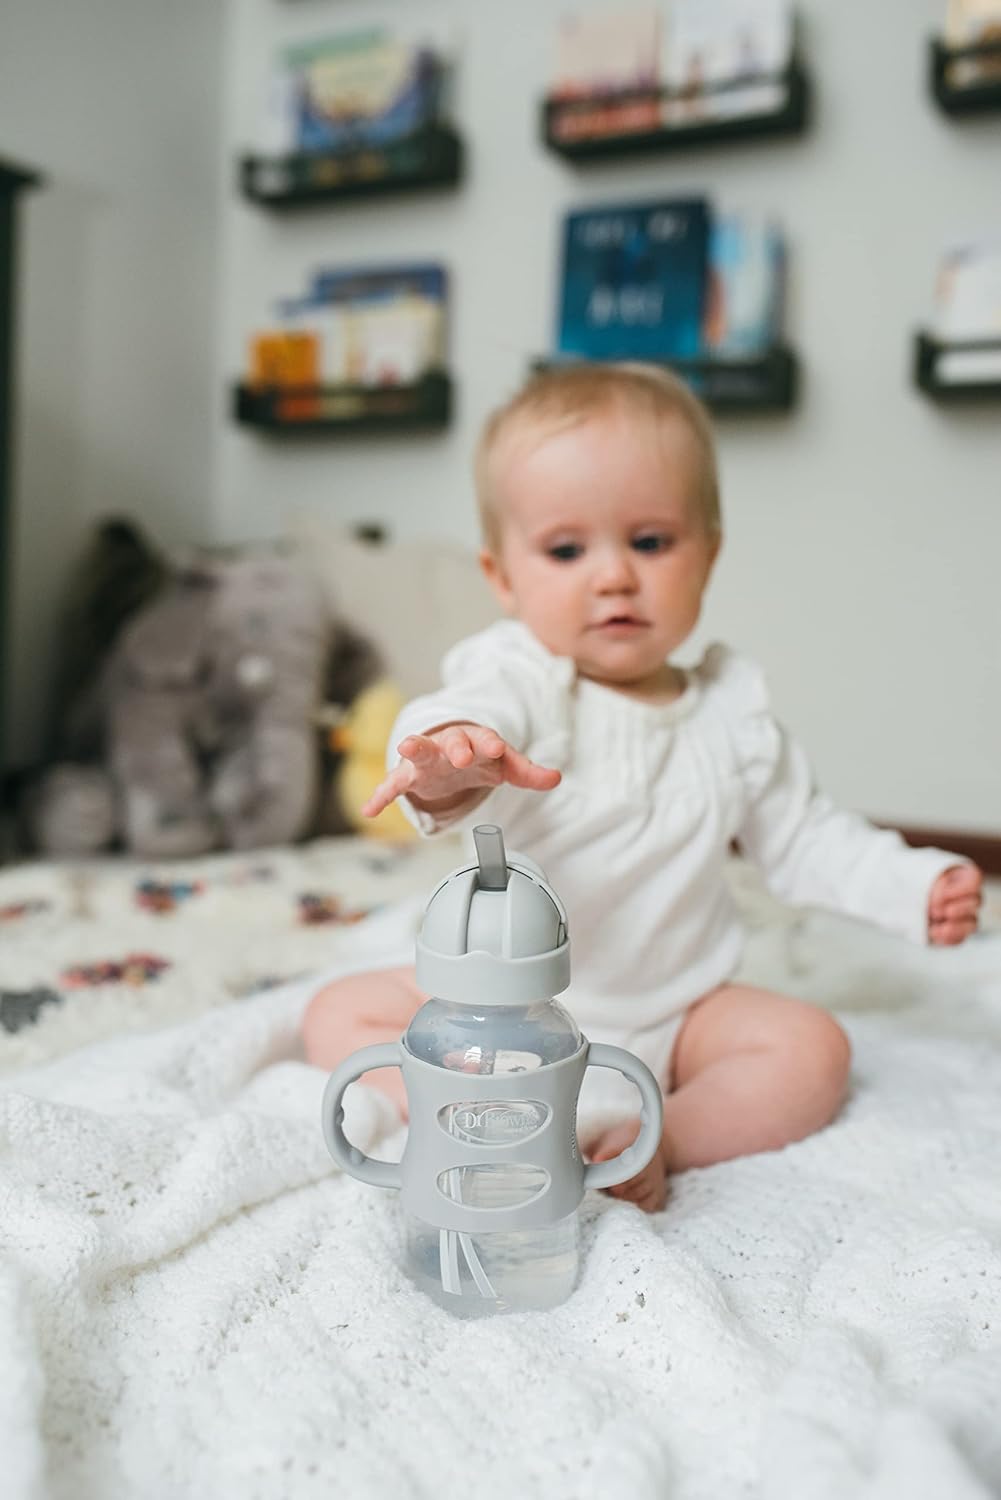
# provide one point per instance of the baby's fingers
(949, 931)
(457, 747)
(395, 784)
(487, 742)
(957, 882)
(965, 906)
(520, 771)
(420, 749)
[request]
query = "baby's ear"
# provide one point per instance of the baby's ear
(493, 572)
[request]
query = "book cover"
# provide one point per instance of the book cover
(600, 55)
(361, 89)
(634, 281)
(970, 23)
(381, 325)
(746, 286)
(968, 293)
(290, 357)
(724, 58)
(609, 51)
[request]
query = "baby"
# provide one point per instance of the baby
(627, 777)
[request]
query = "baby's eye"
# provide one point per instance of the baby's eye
(653, 541)
(565, 551)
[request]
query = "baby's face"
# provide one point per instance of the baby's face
(603, 554)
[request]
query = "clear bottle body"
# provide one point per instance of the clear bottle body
(475, 1275)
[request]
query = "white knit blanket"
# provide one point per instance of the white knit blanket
(194, 1304)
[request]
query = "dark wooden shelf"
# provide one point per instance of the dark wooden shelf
(928, 351)
(751, 385)
(976, 98)
(346, 410)
(432, 158)
(789, 118)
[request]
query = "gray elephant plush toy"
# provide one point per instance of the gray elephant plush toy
(208, 703)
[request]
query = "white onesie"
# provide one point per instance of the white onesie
(636, 836)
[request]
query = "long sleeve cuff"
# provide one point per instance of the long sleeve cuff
(904, 888)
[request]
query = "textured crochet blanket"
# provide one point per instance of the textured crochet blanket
(193, 1303)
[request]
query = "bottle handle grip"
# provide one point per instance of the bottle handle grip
(600, 1174)
(350, 1158)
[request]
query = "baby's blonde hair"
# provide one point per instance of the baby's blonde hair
(565, 395)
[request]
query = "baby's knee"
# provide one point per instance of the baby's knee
(357, 1010)
(823, 1058)
(837, 1051)
(321, 1022)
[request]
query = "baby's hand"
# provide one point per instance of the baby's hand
(954, 904)
(446, 768)
(648, 1189)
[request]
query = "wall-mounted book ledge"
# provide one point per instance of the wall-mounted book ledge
(430, 158)
(966, 80)
(752, 107)
(957, 372)
(346, 410)
(753, 384)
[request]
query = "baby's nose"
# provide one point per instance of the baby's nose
(616, 572)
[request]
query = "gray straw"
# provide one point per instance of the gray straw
(493, 876)
(492, 859)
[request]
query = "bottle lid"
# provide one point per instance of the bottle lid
(494, 932)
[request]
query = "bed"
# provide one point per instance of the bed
(193, 1302)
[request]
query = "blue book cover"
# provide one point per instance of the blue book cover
(635, 281)
(747, 282)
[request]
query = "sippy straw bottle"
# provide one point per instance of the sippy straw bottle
(491, 1177)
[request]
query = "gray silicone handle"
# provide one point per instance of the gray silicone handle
(600, 1174)
(365, 1168)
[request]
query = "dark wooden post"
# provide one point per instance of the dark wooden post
(13, 180)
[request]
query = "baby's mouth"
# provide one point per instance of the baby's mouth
(621, 622)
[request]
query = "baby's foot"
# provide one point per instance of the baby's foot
(648, 1189)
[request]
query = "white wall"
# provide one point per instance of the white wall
(117, 103)
(863, 532)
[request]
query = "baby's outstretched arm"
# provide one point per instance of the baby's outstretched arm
(451, 768)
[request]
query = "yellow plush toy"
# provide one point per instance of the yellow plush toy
(361, 737)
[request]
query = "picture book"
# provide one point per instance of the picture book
(289, 357)
(968, 293)
(971, 23)
(725, 58)
(608, 51)
(634, 280)
(601, 55)
(380, 325)
(746, 286)
(361, 89)
(365, 326)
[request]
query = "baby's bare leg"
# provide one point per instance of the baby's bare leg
(357, 1011)
(751, 1071)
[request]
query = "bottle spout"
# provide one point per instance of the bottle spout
(492, 859)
